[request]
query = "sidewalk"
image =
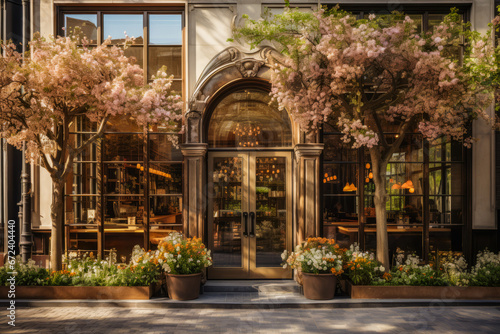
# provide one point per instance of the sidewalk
(110, 320)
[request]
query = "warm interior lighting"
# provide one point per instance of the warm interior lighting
(407, 185)
(370, 175)
(350, 187)
(396, 186)
(412, 190)
(367, 166)
(367, 180)
(326, 174)
(335, 177)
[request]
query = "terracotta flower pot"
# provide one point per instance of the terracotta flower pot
(183, 287)
(319, 286)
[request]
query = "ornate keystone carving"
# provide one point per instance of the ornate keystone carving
(249, 67)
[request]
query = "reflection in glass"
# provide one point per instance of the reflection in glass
(117, 25)
(170, 56)
(137, 53)
(123, 123)
(227, 196)
(337, 150)
(123, 147)
(270, 226)
(165, 29)
(86, 23)
(162, 149)
(245, 119)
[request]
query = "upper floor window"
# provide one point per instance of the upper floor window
(158, 36)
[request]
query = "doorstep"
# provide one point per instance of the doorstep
(252, 294)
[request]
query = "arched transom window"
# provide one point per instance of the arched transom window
(246, 118)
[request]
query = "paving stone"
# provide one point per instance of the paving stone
(87, 320)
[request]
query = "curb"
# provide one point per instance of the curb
(165, 303)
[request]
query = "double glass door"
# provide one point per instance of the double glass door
(249, 213)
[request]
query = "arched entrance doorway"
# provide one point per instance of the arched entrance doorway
(234, 142)
(249, 183)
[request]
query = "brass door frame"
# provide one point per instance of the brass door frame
(249, 269)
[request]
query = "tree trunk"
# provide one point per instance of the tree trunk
(57, 215)
(379, 178)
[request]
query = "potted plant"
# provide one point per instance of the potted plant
(183, 261)
(320, 262)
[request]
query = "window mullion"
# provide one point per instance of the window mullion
(145, 49)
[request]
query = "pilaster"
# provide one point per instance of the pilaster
(307, 161)
(194, 190)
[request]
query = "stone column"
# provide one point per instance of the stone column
(307, 159)
(193, 211)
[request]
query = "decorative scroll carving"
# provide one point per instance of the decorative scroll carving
(249, 67)
(271, 55)
(227, 55)
(197, 102)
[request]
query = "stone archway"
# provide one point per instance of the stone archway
(230, 67)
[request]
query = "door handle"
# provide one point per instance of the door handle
(245, 225)
(252, 224)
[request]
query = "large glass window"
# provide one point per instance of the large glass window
(126, 188)
(425, 189)
(163, 47)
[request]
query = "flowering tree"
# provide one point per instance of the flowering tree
(41, 98)
(374, 76)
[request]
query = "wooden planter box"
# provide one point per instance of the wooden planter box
(80, 292)
(422, 292)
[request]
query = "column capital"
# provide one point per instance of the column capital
(314, 149)
(194, 149)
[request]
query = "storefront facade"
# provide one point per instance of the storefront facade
(245, 178)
